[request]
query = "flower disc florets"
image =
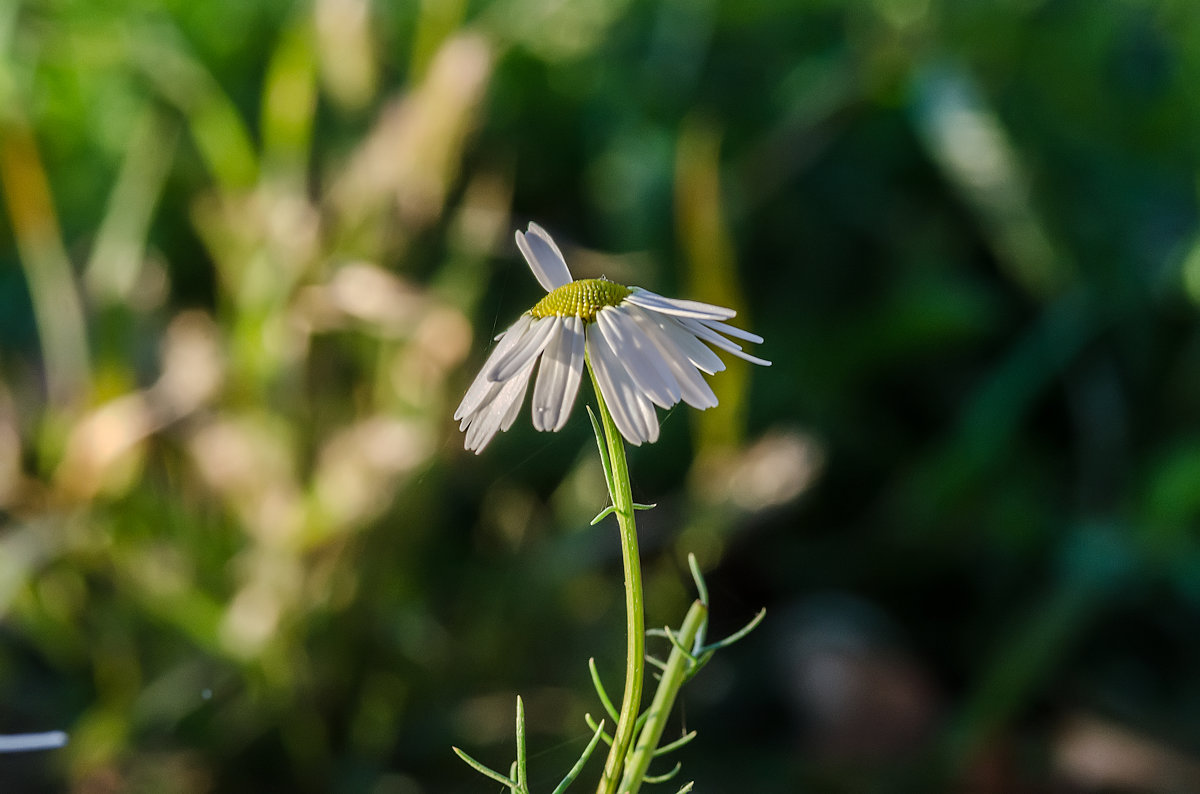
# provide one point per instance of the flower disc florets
(582, 299)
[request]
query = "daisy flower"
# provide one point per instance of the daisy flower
(644, 350)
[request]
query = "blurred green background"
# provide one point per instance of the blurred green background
(253, 252)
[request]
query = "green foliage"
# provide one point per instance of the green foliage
(254, 251)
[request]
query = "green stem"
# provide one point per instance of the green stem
(622, 496)
(673, 676)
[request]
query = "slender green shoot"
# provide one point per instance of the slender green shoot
(675, 745)
(604, 462)
(663, 778)
(600, 691)
(698, 578)
(597, 726)
(522, 772)
(702, 593)
(659, 663)
(673, 677)
(484, 770)
(737, 635)
(583, 759)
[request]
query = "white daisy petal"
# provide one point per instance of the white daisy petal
(624, 400)
(475, 396)
(558, 376)
(598, 354)
(702, 331)
(482, 385)
(729, 330)
(762, 362)
(708, 335)
(574, 327)
(694, 389)
(544, 258)
(681, 308)
(499, 412)
(525, 350)
(639, 356)
(514, 410)
(700, 355)
(485, 397)
(537, 231)
(649, 419)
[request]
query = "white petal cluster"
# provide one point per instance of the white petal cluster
(645, 351)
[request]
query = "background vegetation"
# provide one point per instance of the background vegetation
(253, 252)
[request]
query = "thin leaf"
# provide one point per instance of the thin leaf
(686, 788)
(604, 462)
(663, 778)
(600, 692)
(597, 726)
(483, 770)
(659, 663)
(679, 645)
(698, 578)
(699, 664)
(637, 726)
(737, 635)
(587, 753)
(675, 745)
(603, 514)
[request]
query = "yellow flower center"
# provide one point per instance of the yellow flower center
(582, 299)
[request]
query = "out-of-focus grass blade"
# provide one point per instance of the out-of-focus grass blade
(57, 308)
(346, 50)
(290, 100)
(710, 269)
(215, 126)
(437, 21)
(113, 268)
(967, 140)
